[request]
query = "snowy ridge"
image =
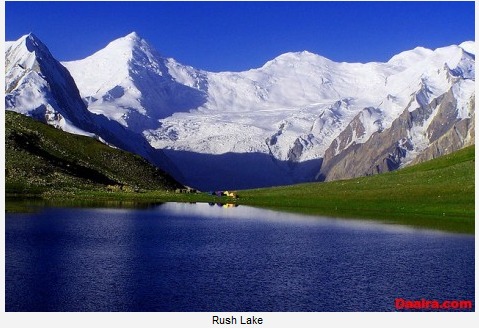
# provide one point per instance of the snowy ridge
(305, 96)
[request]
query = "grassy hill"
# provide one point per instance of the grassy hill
(435, 194)
(41, 159)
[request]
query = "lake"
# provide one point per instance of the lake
(205, 257)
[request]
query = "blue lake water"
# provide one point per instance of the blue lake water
(197, 257)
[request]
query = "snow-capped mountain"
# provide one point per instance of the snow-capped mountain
(37, 85)
(300, 117)
(130, 83)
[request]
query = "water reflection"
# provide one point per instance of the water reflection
(249, 213)
(224, 205)
(25, 205)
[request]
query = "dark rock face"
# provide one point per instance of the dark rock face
(295, 152)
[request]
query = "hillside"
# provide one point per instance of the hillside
(40, 158)
(436, 194)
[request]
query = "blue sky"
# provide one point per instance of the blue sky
(235, 36)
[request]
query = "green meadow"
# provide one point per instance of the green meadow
(437, 194)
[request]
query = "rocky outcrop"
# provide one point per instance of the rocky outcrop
(461, 134)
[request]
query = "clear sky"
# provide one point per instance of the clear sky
(235, 36)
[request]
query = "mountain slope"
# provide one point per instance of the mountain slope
(40, 158)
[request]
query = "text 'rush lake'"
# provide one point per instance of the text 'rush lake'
(204, 257)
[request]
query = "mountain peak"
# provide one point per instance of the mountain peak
(30, 36)
(296, 57)
(408, 57)
(129, 42)
(27, 51)
(133, 36)
(32, 42)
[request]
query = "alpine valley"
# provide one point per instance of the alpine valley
(298, 118)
